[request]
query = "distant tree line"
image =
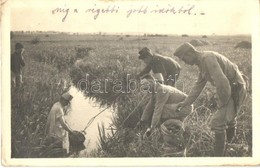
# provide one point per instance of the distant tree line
(155, 35)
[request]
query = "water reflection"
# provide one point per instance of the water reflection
(82, 110)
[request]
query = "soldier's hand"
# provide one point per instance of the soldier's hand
(83, 132)
(179, 106)
(74, 132)
(147, 133)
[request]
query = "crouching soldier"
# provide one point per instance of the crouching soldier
(57, 129)
(162, 105)
(166, 66)
(230, 87)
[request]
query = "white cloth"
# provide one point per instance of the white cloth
(54, 127)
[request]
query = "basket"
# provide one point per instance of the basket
(76, 141)
(172, 132)
(170, 151)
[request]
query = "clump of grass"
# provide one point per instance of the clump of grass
(83, 52)
(35, 40)
(199, 137)
(61, 58)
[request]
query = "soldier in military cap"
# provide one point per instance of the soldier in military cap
(230, 90)
(17, 63)
(168, 67)
(57, 127)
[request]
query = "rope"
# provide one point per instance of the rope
(93, 118)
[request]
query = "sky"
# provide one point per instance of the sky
(225, 17)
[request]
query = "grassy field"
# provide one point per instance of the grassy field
(55, 60)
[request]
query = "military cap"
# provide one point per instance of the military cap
(181, 50)
(18, 46)
(67, 96)
(145, 52)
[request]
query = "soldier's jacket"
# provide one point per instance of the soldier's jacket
(163, 104)
(220, 72)
(164, 65)
(17, 62)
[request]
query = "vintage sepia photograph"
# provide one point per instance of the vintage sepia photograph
(144, 83)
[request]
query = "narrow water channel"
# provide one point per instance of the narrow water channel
(82, 110)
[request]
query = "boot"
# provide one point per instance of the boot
(231, 133)
(220, 140)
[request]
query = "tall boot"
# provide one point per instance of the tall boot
(231, 133)
(220, 140)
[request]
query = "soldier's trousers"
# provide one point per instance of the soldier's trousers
(17, 79)
(225, 117)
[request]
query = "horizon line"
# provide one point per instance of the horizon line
(123, 33)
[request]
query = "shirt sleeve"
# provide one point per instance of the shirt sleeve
(223, 88)
(148, 112)
(59, 113)
(161, 99)
(196, 90)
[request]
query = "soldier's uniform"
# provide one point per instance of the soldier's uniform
(163, 105)
(17, 62)
(168, 67)
(57, 137)
(229, 83)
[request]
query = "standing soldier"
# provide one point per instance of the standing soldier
(230, 87)
(167, 66)
(17, 62)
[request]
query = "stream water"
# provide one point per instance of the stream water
(82, 110)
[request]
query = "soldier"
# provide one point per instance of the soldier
(17, 62)
(57, 128)
(162, 104)
(168, 67)
(230, 87)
